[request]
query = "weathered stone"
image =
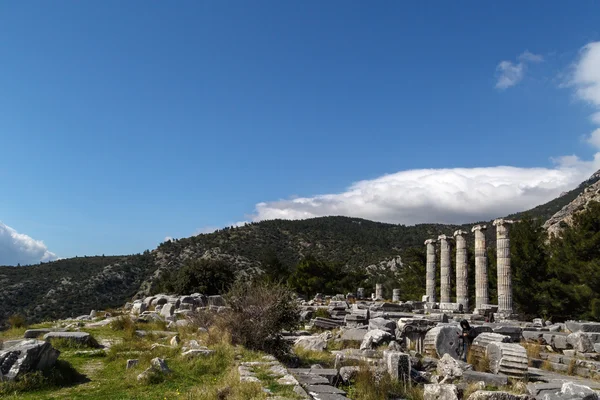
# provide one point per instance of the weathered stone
(449, 368)
(383, 324)
(580, 342)
(398, 365)
(81, 338)
(583, 326)
(175, 341)
(487, 378)
(435, 391)
(349, 372)
(132, 363)
(508, 359)
(167, 310)
(354, 334)
(515, 332)
(27, 356)
(197, 353)
(373, 338)
(442, 340)
(35, 333)
(575, 391)
(138, 307)
(314, 343)
(396, 295)
(489, 395)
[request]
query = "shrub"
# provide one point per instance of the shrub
(322, 313)
(124, 323)
(259, 312)
(17, 321)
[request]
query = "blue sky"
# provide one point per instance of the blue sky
(122, 123)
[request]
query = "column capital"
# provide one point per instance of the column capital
(460, 232)
(479, 228)
(502, 221)
(430, 241)
(444, 237)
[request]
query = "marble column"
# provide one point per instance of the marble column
(378, 291)
(505, 302)
(396, 295)
(482, 295)
(462, 270)
(430, 270)
(445, 269)
(360, 293)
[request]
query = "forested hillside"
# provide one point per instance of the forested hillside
(73, 286)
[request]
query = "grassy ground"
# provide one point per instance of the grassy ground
(103, 375)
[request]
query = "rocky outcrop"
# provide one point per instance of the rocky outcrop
(28, 356)
(565, 215)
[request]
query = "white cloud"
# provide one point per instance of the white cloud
(17, 248)
(586, 80)
(586, 76)
(457, 195)
(594, 138)
(509, 74)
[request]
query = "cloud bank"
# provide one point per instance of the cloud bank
(17, 248)
(455, 195)
(462, 195)
(509, 73)
(586, 81)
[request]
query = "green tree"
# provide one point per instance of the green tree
(313, 276)
(204, 276)
(411, 277)
(574, 267)
(529, 265)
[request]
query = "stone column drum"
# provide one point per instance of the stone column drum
(396, 295)
(430, 270)
(378, 291)
(462, 270)
(505, 302)
(445, 269)
(482, 295)
(360, 293)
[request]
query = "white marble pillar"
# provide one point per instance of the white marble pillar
(445, 269)
(430, 270)
(505, 302)
(462, 270)
(481, 267)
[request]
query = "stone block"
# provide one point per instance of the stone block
(398, 365)
(487, 378)
(436, 391)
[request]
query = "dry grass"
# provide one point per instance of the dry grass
(367, 386)
(572, 369)
(480, 364)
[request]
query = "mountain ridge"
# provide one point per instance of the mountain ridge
(73, 286)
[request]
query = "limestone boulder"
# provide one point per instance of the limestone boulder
(167, 310)
(384, 324)
(489, 395)
(580, 342)
(449, 368)
(27, 356)
(434, 391)
(138, 307)
(314, 343)
(374, 338)
(78, 338)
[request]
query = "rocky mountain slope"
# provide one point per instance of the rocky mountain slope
(73, 286)
(589, 191)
